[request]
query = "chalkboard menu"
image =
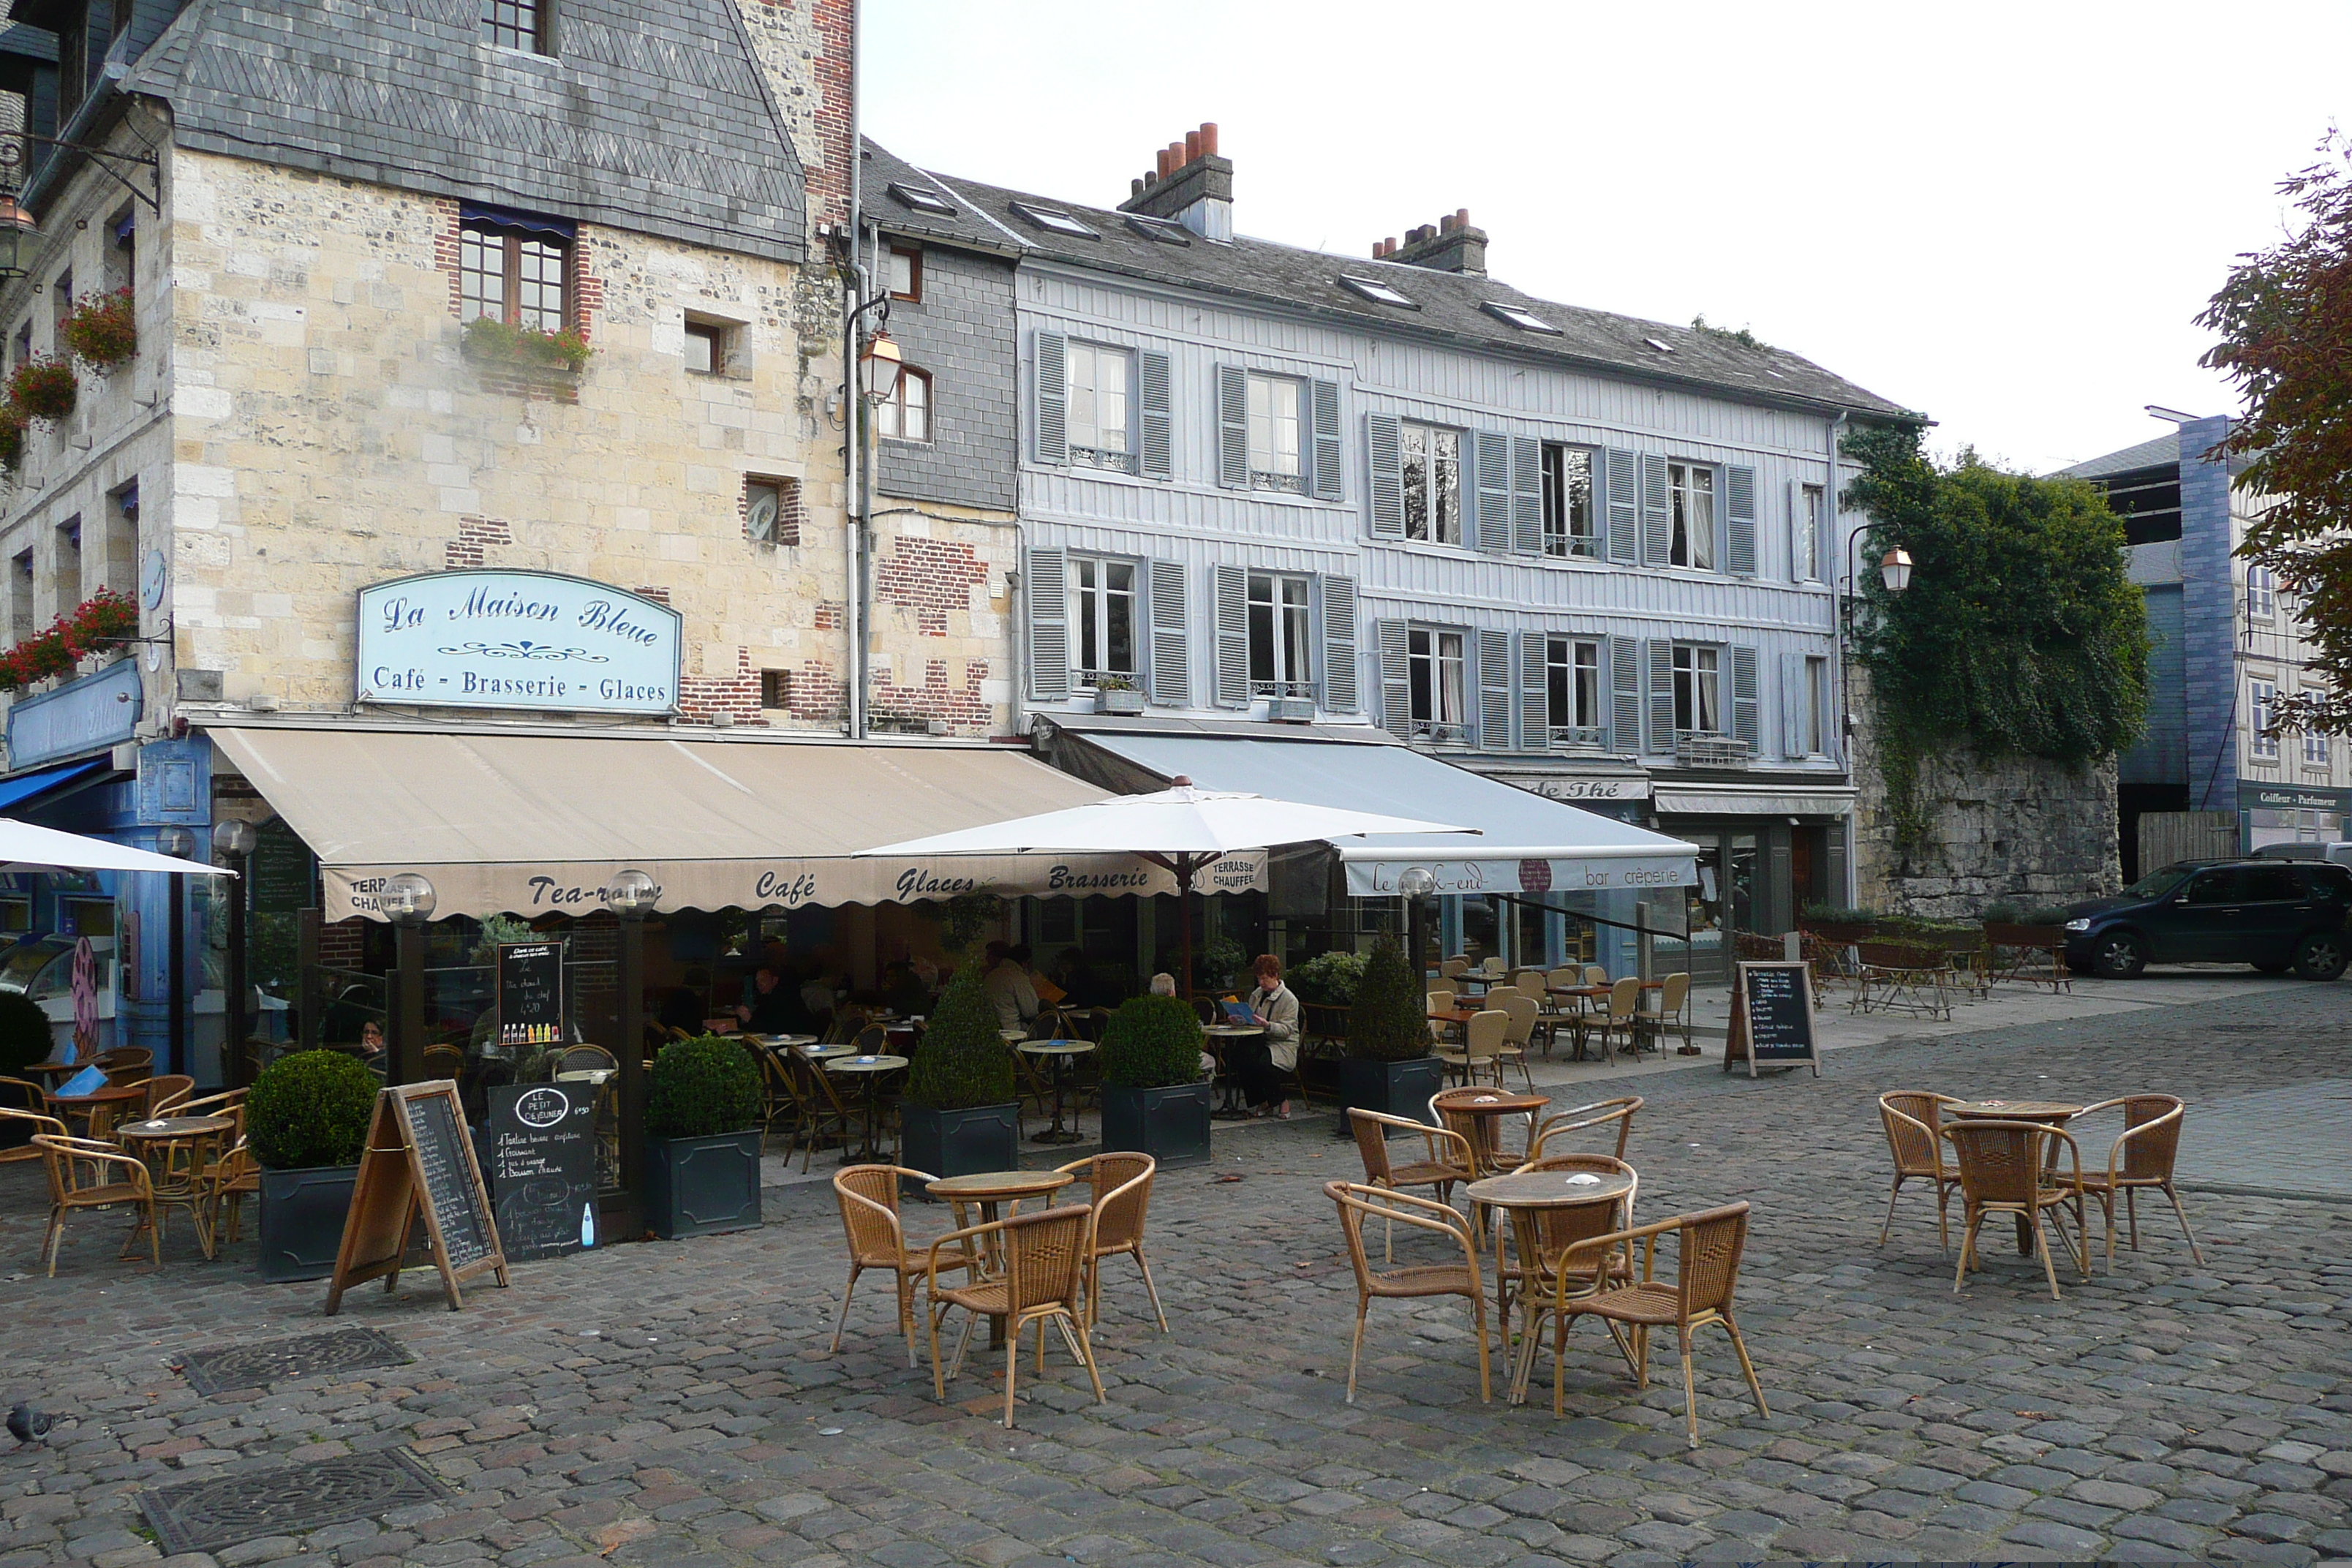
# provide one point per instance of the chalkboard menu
(543, 1167)
(1772, 1019)
(453, 1190)
(417, 1164)
(530, 993)
(278, 870)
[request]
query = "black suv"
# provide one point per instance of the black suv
(2273, 914)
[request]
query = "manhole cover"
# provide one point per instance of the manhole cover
(224, 1510)
(277, 1361)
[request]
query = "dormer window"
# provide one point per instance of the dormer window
(1055, 222)
(1513, 316)
(1378, 292)
(1660, 344)
(922, 201)
(1159, 229)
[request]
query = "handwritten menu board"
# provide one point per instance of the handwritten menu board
(451, 1188)
(1772, 1019)
(543, 1167)
(417, 1164)
(280, 871)
(530, 993)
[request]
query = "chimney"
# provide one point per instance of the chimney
(1449, 245)
(1190, 184)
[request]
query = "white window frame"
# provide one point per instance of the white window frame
(1436, 669)
(906, 414)
(2316, 752)
(1281, 622)
(1572, 694)
(1816, 699)
(1096, 441)
(1698, 689)
(1561, 538)
(1435, 452)
(1691, 538)
(1094, 603)
(1268, 425)
(2261, 738)
(2261, 592)
(1808, 524)
(904, 273)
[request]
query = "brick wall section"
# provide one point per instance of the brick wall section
(831, 615)
(961, 331)
(475, 535)
(827, 177)
(2209, 614)
(964, 710)
(343, 943)
(932, 577)
(737, 695)
(818, 694)
(658, 596)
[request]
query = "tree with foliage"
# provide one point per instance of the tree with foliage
(2286, 322)
(2020, 633)
(1390, 1022)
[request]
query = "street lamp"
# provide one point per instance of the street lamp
(1895, 569)
(1416, 883)
(232, 840)
(407, 899)
(878, 364)
(20, 242)
(630, 895)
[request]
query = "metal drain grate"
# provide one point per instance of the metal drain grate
(278, 1361)
(224, 1510)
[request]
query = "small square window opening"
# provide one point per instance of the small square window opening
(772, 510)
(706, 348)
(776, 689)
(906, 274)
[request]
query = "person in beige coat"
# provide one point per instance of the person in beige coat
(1265, 1064)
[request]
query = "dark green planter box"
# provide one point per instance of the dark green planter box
(964, 1142)
(1394, 1089)
(698, 1187)
(1169, 1124)
(303, 1216)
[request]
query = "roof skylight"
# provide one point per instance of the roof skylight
(923, 201)
(1055, 222)
(1159, 229)
(1526, 321)
(1660, 344)
(1378, 292)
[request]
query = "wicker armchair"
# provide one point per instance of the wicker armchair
(1044, 1281)
(1613, 1023)
(1526, 1270)
(85, 1173)
(2141, 1158)
(1915, 1137)
(228, 1182)
(1448, 1158)
(869, 1214)
(1599, 1114)
(1356, 1204)
(1706, 1272)
(1518, 1036)
(27, 1125)
(164, 1093)
(1120, 1189)
(1480, 1053)
(2001, 1171)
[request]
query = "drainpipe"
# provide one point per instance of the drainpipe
(1016, 604)
(1838, 611)
(854, 520)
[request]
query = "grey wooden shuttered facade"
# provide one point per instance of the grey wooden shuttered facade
(1049, 626)
(1527, 495)
(1052, 398)
(1661, 660)
(1625, 694)
(1155, 415)
(1490, 461)
(1657, 511)
(1739, 520)
(1384, 480)
(1395, 644)
(1233, 427)
(1621, 487)
(1535, 691)
(1795, 698)
(1746, 699)
(1233, 637)
(1323, 474)
(1494, 689)
(1172, 670)
(1338, 607)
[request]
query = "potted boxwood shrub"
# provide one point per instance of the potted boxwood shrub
(960, 1115)
(703, 1102)
(26, 1037)
(1388, 1067)
(306, 1120)
(1153, 1097)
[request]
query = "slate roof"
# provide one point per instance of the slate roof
(1450, 304)
(2163, 452)
(655, 117)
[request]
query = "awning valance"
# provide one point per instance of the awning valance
(537, 823)
(1753, 802)
(1528, 844)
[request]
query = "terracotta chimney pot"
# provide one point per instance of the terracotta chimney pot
(1208, 138)
(1163, 163)
(1191, 145)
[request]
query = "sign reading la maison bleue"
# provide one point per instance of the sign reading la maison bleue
(516, 639)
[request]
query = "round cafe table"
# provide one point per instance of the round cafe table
(101, 1106)
(175, 1149)
(1478, 1109)
(997, 1194)
(1526, 1196)
(872, 1068)
(54, 1070)
(1061, 1052)
(2048, 1113)
(1230, 1108)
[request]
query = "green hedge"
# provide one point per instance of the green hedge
(963, 1061)
(1152, 1042)
(702, 1088)
(1329, 979)
(308, 1110)
(1390, 1020)
(25, 1035)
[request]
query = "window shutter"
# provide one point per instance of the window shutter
(1052, 399)
(1152, 371)
(1233, 637)
(1396, 676)
(1172, 666)
(1535, 695)
(1662, 695)
(1339, 645)
(1049, 625)
(1794, 700)
(1657, 512)
(1746, 700)
(1739, 522)
(1233, 427)
(1621, 484)
(1625, 695)
(1326, 399)
(1493, 461)
(1494, 689)
(1527, 495)
(1384, 455)
(1796, 523)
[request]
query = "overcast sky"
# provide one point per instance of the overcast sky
(2003, 215)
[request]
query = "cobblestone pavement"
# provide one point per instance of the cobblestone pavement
(673, 1405)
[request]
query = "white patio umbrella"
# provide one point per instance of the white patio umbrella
(24, 847)
(1181, 829)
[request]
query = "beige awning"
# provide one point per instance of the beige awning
(1734, 801)
(538, 824)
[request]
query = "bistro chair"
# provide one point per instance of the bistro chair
(1453, 968)
(1614, 1022)
(125, 1063)
(1447, 1159)
(1481, 1049)
(228, 1182)
(1121, 1189)
(27, 1125)
(826, 1108)
(1528, 982)
(2002, 1173)
(1540, 1240)
(1706, 1270)
(1518, 1036)
(781, 1100)
(228, 1103)
(586, 1058)
(869, 1214)
(1044, 1281)
(1491, 967)
(85, 1173)
(2141, 1158)
(1497, 994)
(444, 1060)
(1356, 1204)
(1599, 1114)
(165, 1093)
(1915, 1137)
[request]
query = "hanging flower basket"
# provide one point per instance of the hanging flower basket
(103, 330)
(43, 389)
(98, 624)
(12, 437)
(489, 339)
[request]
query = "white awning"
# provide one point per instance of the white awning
(1732, 801)
(537, 823)
(1527, 843)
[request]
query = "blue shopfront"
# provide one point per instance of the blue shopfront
(76, 764)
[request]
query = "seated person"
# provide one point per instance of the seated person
(902, 992)
(1008, 985)
(775, 1007)
(686, 1006)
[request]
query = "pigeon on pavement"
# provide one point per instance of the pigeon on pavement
(27, 1425)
